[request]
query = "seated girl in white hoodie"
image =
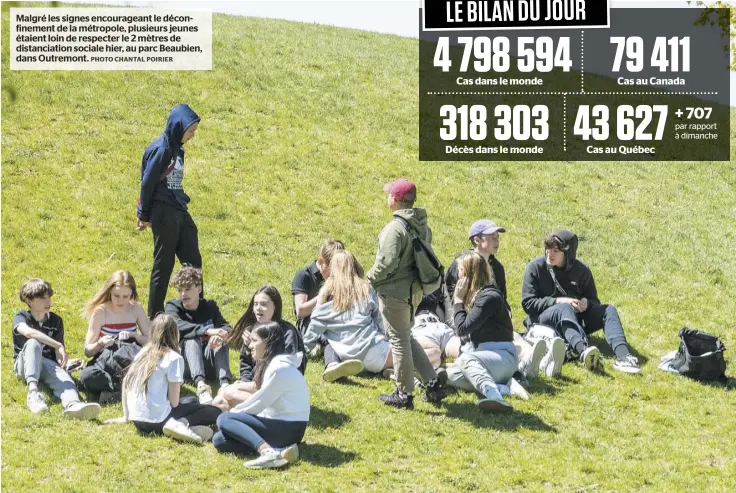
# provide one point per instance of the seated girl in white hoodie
(272, 421)
(347, 314)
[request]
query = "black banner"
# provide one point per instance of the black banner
(449, 15)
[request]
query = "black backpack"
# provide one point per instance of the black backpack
(429, 268)
(700, 356)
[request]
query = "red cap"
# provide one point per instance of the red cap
(402, 190)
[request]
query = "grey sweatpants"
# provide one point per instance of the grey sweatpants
(31, 366)
(489, 365)
(204, 362)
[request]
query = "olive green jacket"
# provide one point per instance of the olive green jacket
(394, 272)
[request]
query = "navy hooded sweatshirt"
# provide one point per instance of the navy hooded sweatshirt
(162, 167)
(539, 291)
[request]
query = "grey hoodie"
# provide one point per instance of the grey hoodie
(394, 271)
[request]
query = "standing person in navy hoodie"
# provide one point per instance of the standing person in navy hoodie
(163, 204)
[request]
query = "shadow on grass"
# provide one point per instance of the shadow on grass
(349, 382)
(323, 418)
(606, 350)
(324, 455)
(550, 387)
(500, 421)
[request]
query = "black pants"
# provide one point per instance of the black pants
(174, 234)
(95, 380)
(195, 413)
(575, 327)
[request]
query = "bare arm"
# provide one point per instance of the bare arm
(303, 306)
(174, 391)
(26, 331)
(144, 325)
(93, 343)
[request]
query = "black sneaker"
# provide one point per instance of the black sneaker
(521, 378)
(398, 400)
(435, 393)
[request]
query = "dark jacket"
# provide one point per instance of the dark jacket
(499, 274)
(162, 165)
(194, 323)
(487, 321)
(574, 280)
(115, 360)
(294, 344)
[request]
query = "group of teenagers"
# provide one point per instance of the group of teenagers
(379, 321)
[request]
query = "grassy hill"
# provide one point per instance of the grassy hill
(301, 126)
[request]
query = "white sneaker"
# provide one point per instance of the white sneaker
(269, 459)
(83, 410)
(629, 364)
(178, 430)
(591, 358)
(204, 393)
(554, 358)
(203, 432)
(290, 453)
(530, 365)
(317, 352)
(35, 402)
(346, 368)
(517, 390)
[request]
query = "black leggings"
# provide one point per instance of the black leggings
(195, 413)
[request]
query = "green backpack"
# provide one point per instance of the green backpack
(429, 269)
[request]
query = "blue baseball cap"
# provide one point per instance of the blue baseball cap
(484, 227)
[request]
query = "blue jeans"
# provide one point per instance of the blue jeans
(490, 364)
(574, 327)
(31, 366)
(243, 433)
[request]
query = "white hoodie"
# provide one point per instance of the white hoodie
(283, 394)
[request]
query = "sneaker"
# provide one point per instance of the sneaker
(347, 368)
(516, 389)
(441, 375)
(398, 400)
(203, 432)
(204, 393)
(494, 405)
(83, 410)
(521, 378)
(435, 393)
(552, 362)
(290, 453)
(389, 373)
(628, 364)
(109, 397)
(591, 358)
(176, 429)
(529, 367)
(269, 459)
(317, 352)
(35, 402)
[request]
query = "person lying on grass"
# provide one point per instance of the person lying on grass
(39, 354)
(481, 315)
(204, 332)
(115, 319)
(347, 314)
(559, 291)
(273, 419)
(152, 386)
(265, 306)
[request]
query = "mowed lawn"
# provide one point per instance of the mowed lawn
(301, 126)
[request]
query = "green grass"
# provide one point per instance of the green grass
(301, 126)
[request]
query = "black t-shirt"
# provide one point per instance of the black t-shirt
(53, 327)
(306, 281)
(194, 323)
(487, 320)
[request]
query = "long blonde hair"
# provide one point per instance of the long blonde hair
(346, 285)
(164, 338)
(478, 272)
(120, 278)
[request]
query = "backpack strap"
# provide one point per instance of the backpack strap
(406, 226)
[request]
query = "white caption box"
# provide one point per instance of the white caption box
(110, 39)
